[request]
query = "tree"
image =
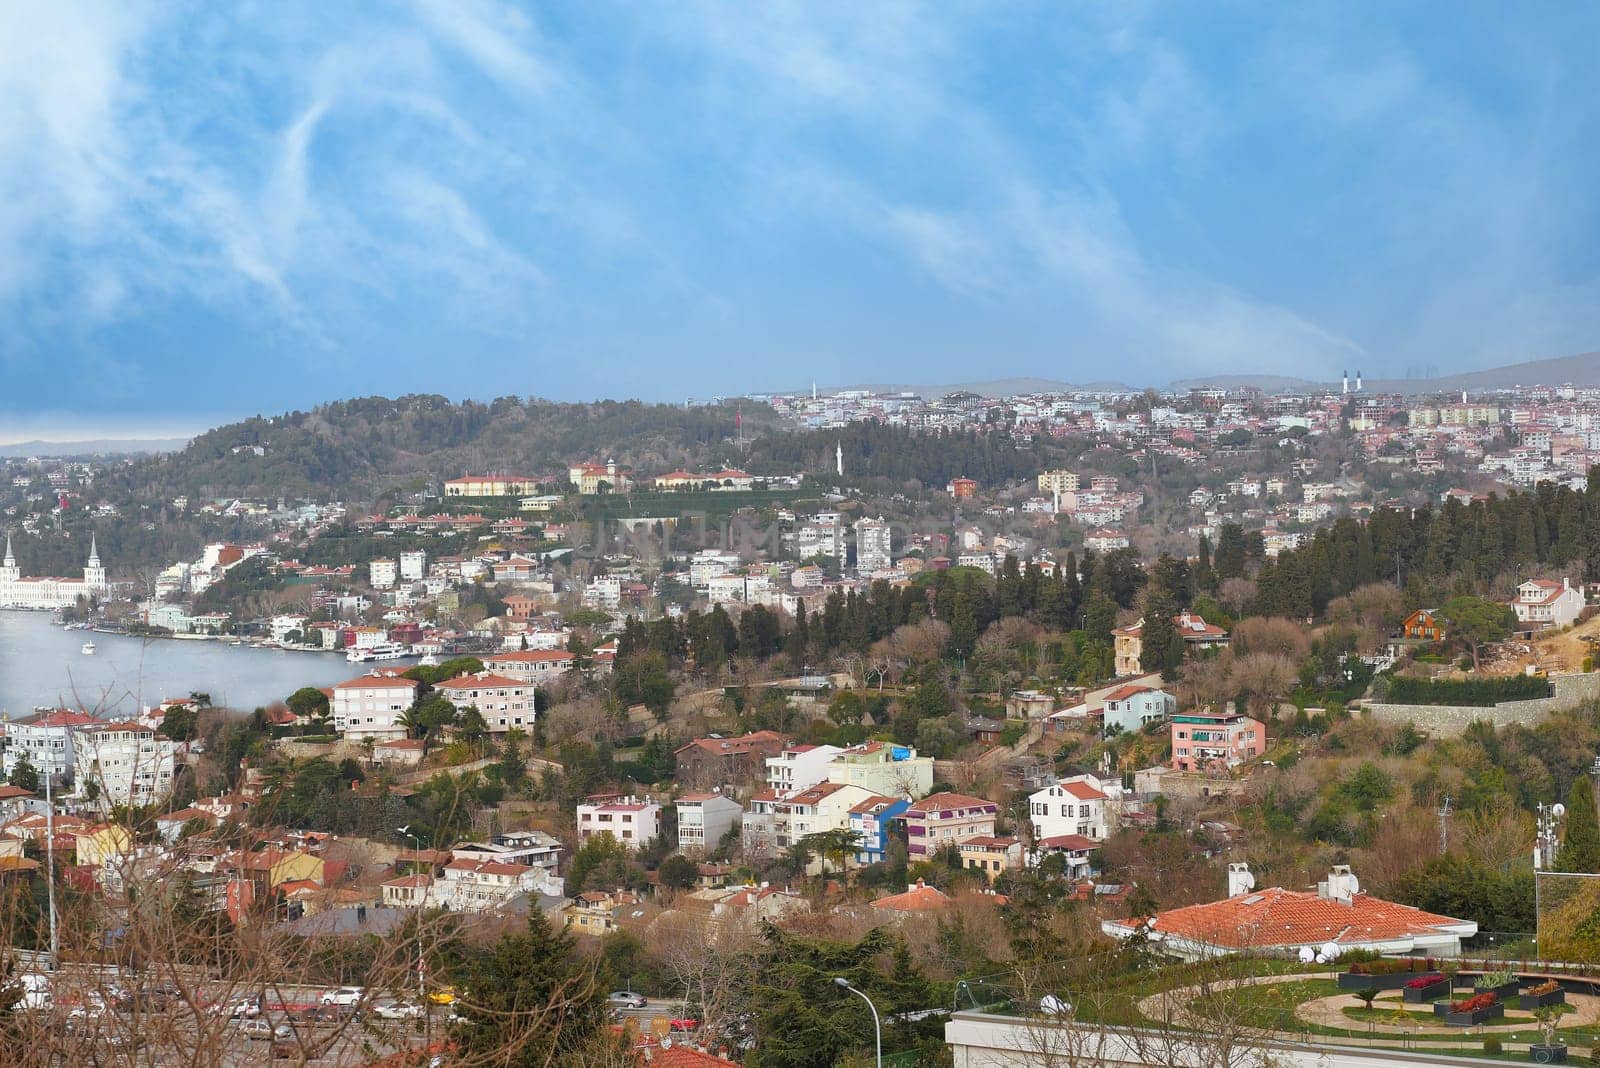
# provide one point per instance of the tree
(530, 1000)
(1473, 622)
(602, 854)
(308, 702)
(24, 775)
(1580, 847)
(180, 723)
(678, 872)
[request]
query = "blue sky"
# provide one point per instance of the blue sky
(210, 209)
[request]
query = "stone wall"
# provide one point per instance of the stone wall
(1570, 691)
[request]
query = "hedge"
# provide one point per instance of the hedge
(1406, 690)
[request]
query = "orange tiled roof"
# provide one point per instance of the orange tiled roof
(1279, 917)
(919, 898)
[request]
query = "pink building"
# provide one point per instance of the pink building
(946, 819)
(1211, 741)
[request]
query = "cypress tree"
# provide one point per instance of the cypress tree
(1580, 847)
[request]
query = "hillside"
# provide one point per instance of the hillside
(359, 448)
(1580, 370)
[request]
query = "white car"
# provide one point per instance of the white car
(256, 1029)
(344, 995)
(397, 1010)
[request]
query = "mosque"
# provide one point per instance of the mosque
(50, 593)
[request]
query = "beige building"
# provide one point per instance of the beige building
(1058, 481)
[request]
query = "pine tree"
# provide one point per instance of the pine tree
(1580, 848)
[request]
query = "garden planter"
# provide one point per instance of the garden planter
(1505, 991)
(1417, 995)
(1535, 1001)
(1393, 981)
(1474, 1018)
(1539, 1053)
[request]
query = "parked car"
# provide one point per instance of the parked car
(256, 1029)
(344, 995)
(445, 995)
(627, 998)
(683, 1023)
(245, 1008)
(395, 1009)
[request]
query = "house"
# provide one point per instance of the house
(946, 819)
(1197, 635)
(1073, 849)
(46, 741)
(95, 845)
(123, 763)
(412, 891)
(1541, 603)
(883, 768)
(629, 820)
(870, 820)
(716, 761)
(918, 897)
(991, 855)
(484, 885)
(703, 819)
(1279, 922)
(1215, 741)
(399, 753)
(1029, 704)
(504, 703)
(1423, 626)
(371, 706)
(799, 766)
(1072, 806)
(1105, 540)
(962, 488)
(531, 665)
(823, 807)
(1131, 707)
(598, 912)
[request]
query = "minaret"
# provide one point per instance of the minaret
(1346, 390)
(838, 457)
(94, 576)
(9, 572)
(1358, 381)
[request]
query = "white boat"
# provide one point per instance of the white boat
(88, 648)
(381, 651)
(428, 660)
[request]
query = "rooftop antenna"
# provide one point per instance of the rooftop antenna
(1444, 826)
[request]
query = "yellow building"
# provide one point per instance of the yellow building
(1058, 481)
(103, 840)
(489, 486)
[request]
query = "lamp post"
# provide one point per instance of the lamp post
(422, 989)
(877, 1024)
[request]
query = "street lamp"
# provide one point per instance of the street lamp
(877, 1024)
(416, 841)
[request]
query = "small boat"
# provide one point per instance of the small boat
(88, 648)
(428, 661)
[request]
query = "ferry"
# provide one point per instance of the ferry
(88, 648)
(381, 651)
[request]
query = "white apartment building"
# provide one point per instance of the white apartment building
(381, 574)
(504, 703)
(484, 885)
(371, 706)
(629, 820)
(799, 767)
(46, 740)
(704, 818)
(709, 562)
(530, 665)
(605, 591)
(884, 768)
(874, 548)
(822, 535)
(283, 626)
(414, 565)
(123, 763)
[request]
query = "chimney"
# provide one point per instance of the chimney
(1341, 885)
(1240, 881)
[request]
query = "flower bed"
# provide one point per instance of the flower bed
(1548, 992)
(1501, 984)
(1425, 988)
(1387, 973)
(1474, 1010)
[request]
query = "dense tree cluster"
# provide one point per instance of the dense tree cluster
(877, 450)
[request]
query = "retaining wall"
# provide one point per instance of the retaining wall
(1569, 691)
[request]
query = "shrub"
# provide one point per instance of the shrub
(1549, 986)
(1491, 1046)
(1391, 966)
(1425, 980)
(1476, 1002)
(1490, 980)
(1408, 690)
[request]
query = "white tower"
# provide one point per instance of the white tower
(838, 457)
(1346, 389)
(94, 576)
(1358, 380)
(9, 572)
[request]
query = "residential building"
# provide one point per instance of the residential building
(799, 766)
(123, 763)
(918, 897)
(1105, 540)
(870, 820)
(883, 768)
(1423, 625)
(484, 885)
(1131, 707)
(873, 545)
(946, 819)
(414, 565)
(371, 706)
(962, 488)
(381, 573)
(814, 810)
(490, 486)
(1215, 741)
(717, 761)
(703, 819)
(534, 666)
(1541, 603)
(1072, 806)
(1059, 480)
(1197, 635)
(992, 854)
(504, 703)
(1073, 849)
(629, 820)
(46, 740)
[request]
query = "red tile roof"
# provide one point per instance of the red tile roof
(1083, 791)
(377, 682)
(945, 801)
(1279, 917)
(482, 681)
(918, 898)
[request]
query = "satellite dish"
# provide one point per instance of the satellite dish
(1330, 950)
(666, 1041)
(1558, 809)
(1307, 955)
(1355, 885)
(1050, 1005)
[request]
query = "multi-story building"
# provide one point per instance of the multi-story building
(483, 885)
(489, 486)
(883, 768)
(123, 763)
(870, 821)
(414, 565)
(534, 666)
(629, 820)
(504, 703)
(991, 855)
(371, 706)
(1198, 635)
(1058, 481)
(46, 740)
(822, 535)
(51, 593)
(715, 761)
(1541, 603)
(946, 819)
(799, 766)
(1072, 806)
(703, 819)
(874, 545)
(1204, 741)
(381, 573)
(1130, 708)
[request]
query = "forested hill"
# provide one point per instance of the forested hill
(874, 450)
(357, 449)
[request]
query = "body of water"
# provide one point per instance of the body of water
(42, 664)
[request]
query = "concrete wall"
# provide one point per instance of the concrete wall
(1570, 691)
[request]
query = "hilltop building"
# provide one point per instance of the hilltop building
(49, 594)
